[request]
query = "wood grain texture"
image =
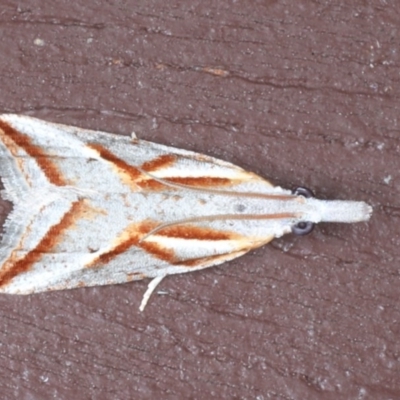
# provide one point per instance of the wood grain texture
(302, 94)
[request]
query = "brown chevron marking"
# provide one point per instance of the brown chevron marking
(164, 161)
(158, 251)
(15, 140)
(120, 248)
(133, 176)
(184, 231)
(131, 237)
(199, 182)
(191, 232)
(48, 242)
(127, 172)
(151, 184)
(144, 227)
(135, 232)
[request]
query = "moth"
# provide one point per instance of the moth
(92, 208)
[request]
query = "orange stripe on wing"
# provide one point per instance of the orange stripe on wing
(194, 182)
(201, 181)
(191, 232)
(128, 173)
(14, 140)
(48, 242)
(135, 178)
(163, 161)
(133, 234)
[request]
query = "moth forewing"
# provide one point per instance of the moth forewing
(92, 208)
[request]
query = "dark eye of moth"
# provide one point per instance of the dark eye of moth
(303, 191)
(303, 227)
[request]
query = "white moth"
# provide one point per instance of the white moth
(92, 208)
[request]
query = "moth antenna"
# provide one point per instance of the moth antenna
(219, 217)
(220, 192)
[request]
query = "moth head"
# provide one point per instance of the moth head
(303, 227)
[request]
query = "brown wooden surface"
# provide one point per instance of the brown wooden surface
(304, 93)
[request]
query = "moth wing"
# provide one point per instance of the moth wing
(81, 202)
(65, 155)
(59, 271)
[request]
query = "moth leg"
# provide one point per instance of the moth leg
(150, 289)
